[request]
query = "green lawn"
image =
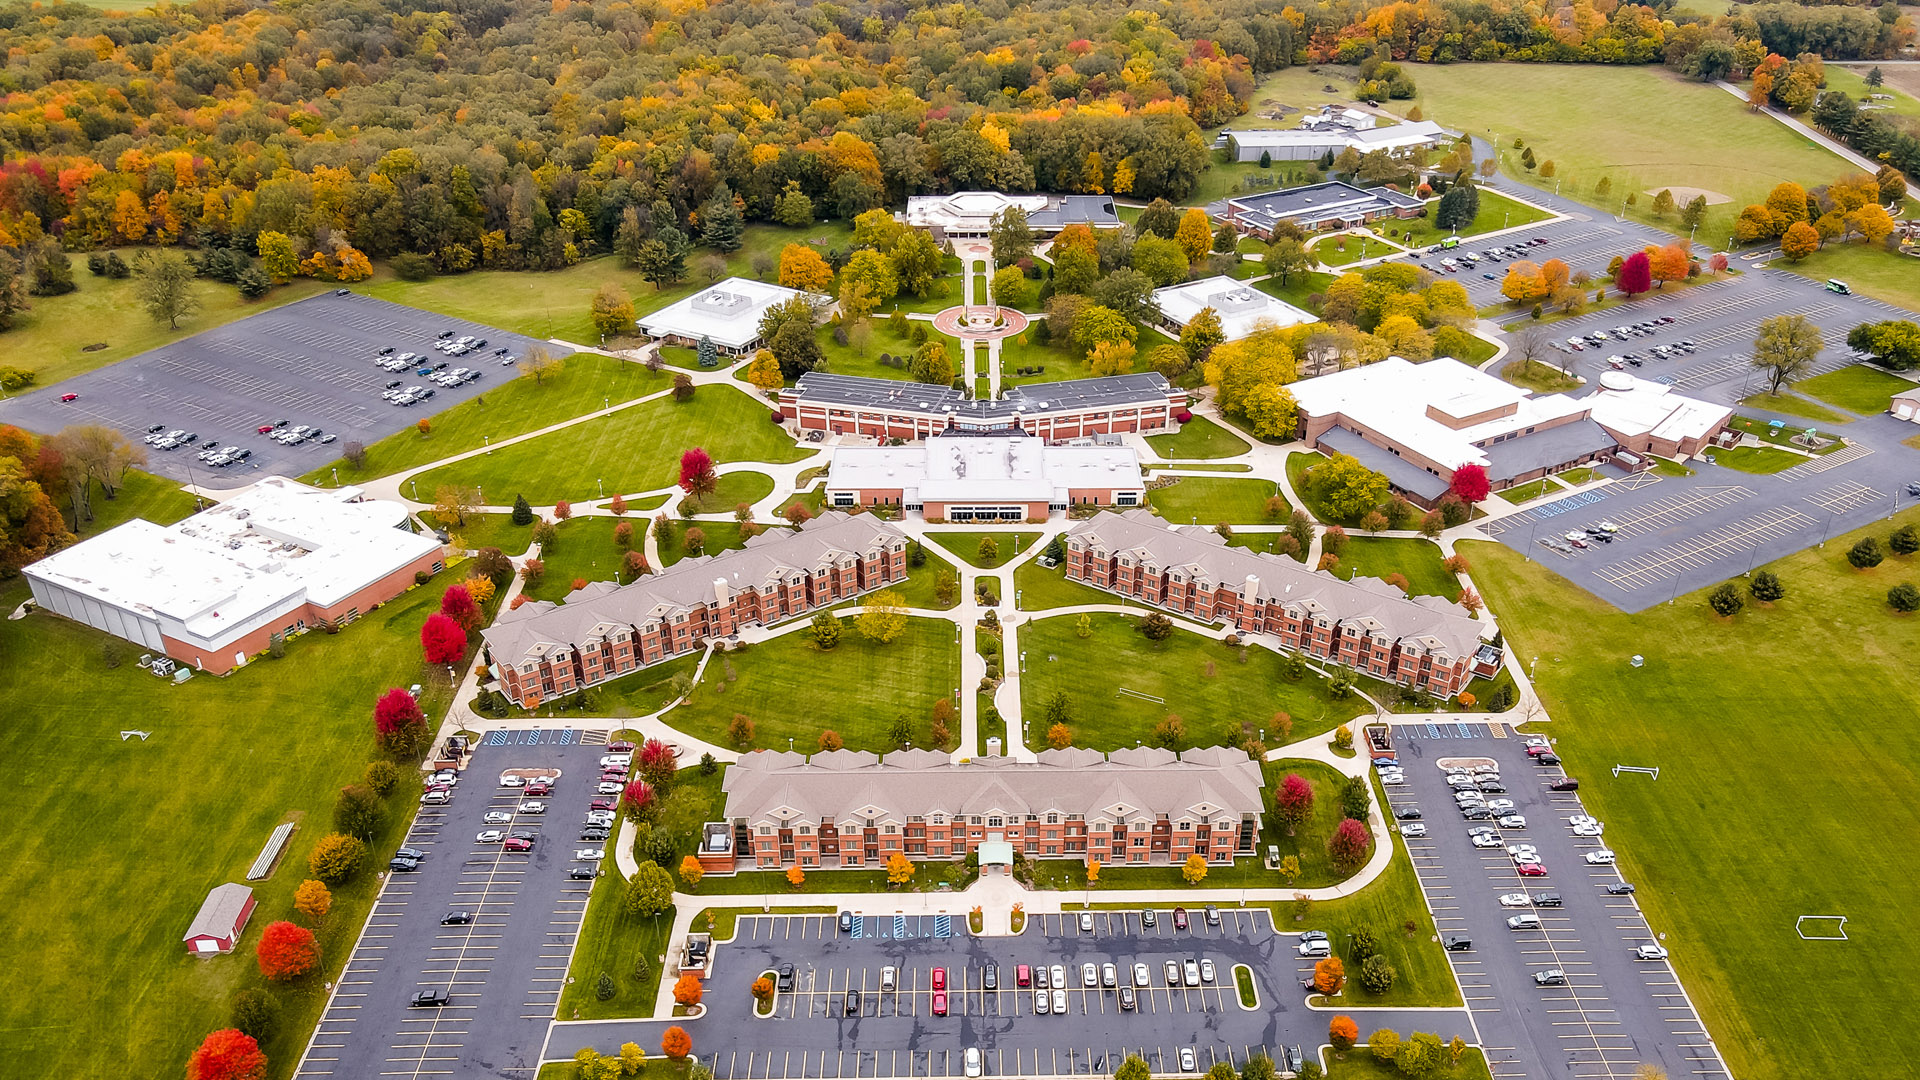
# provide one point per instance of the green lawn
(261, 746)
(1529, 491)
(140, 495)
(1819, 684)
(496, 531)
(813, 499)
(583, 550)
(1538, 377)
(635, 449)
(1757, 459)
(1345, 250)
(584, 384)
(1418, 560)
(1858, 388)
(1268, 542)
(1198, 438)
(1210, 500)
(1091, 672)
(720, 536)
(1297, 288)
(1360, 1064)
(790, 689)
(1061, 362)
(1594, 120)
(732, 489)
(1040, 588)
(1852, 82)
(1794, 405)
(1578, 476)
(1478, 350)
(1298, 466)
(967, 545)
(52, 336)
(1196, 466)
(1496, 212)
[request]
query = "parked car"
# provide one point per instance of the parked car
(1148, 918)
(1550, 977)
(490, 836)
(1413, 830)
(1059, 1002)
(939, 978)
(429, 999)
(1086, 922)
(400, 864)
(1206, 971)
(1187, 1061)
(1457, 943)
(1649, 952)
(1533, 869)
(783, 977)
(940, 1004)
(1109, 976)
(1602, 857)
(497, 817)
(456, 918)
(1512, 821)
(1515, 899)
(1565, 783)
(970, 1062)
(516, 843)
(1620, 888)
(1523, 922)
(533, 806)
(1179, 918)
(1127, 999)
(1172, 972)
(1546, 899)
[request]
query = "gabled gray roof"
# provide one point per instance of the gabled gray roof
(845, 785)
(219, 912)
(1362, 603)
(1106, 392)
(768, 558)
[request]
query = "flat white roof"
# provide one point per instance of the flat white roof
(1241, 307)
(1392, 398)
(267, 547)
(1399, 136)
(970, 469)
(1634, 406)
(729, 312)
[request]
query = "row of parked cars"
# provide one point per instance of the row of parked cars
(293, 435)
(211, 454)
(1467, 260)
(1600, 532)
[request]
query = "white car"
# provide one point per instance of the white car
(589, 853)
(1522, 849)
(533, 806)
(1089, 975)
(510, 780)
(1459, 780)
(1485, 840)
(1040, 1001)
(608, 787)
(600, 817)
(497, 817)
(1526, 858)
(1582, 819)
(1392, 779)
(1413, 829)
(491, 836)
(1059, 1003)
(1515, 899)
(1587, 830)
(1206, 971)
(1649, 952)
(1500, 806)
(1602, 857)
(1512, 821)
(972, 1061)
(1141, 978)
(621, 760)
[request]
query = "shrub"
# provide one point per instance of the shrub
(287, 951)
(603, 987)
(1904, 597)
(335, 858)
(1904, 541)
(256, 1012)
(1376, 975)
(1866, 554)
(1342, 1032)
(1766, 587)
(1725, 600)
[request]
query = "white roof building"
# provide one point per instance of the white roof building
(1649, 416)
(728, 313)
(1241, 307)
(982, 471)
(1299, 144)
(269, 559)
(970, 213)
(1905, 405)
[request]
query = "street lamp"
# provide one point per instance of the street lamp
(414, 486)
(487, 446)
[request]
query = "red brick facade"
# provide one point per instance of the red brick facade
(1038, 836)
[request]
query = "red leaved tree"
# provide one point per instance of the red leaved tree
(562, 510)
(397, 719)
(696, 473)
(1636, 274)
(457, 604)
(687, 989)
(1294, 801)
(636, 797)
(1470, 483)
(287, 951)
(1349, 844)
(443, 640)
(656, 763)
(227, 1054)
(618, 504)
(676, 1043)
(1329, 975)
(1342, 1032)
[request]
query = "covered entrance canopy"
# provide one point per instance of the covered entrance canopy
(996, 853)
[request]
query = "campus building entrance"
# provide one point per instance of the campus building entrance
(1015, 512)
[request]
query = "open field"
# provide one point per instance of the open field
(585, 383)
(792, 690)
(51, 336)
(636, 449)
(1039, 588)
(716, 537)
(1210, 500)
(583, 550)
(967, 546)
(1813, 692)
(1539, 377)
(1496, 212)
(1790, 404)
(1360, 1064)
(729, 492)
(1418, 560)
(1869, 271)
(1093, 671)
(1757, 459)
(1198, 438)
(262, 747)
(1597, 120)
(1859, 388)
(1852, 81)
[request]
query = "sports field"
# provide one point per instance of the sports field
(1641, 127)
(1783, 738)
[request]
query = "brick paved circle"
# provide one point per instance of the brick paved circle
(952, 322)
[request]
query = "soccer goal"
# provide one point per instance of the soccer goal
(1653, 771)
(1837, 924)
(1126, 693)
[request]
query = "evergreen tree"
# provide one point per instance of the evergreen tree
(720, 221)
(522, 513)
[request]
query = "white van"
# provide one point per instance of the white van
(1315, 950)
(1524, 922)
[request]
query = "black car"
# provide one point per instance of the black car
(411, 853)
(1213, 915)
(1408, 813)
(1546, 759)
(524, 834)
(400, 864)
(1491, 787)
(783, 977)
(1148, 918)
(853, 1003)
(594, 836)
(430, 999)
(1476, 813)
(457, 918)
(1620, 888)
(445, 334)
(1458, 943)
(846, 922)
(582, 873)
(990, 978)
(1546, 899)
(1567, 783)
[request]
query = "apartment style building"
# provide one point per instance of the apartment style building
(541, 650)
(890, 409)
(984, 478)
(1364, 624)
(847, 808)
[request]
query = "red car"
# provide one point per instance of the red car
(605, 802)
(1023, 975)
(515, 843)
(69, 397)
(538, 789)
(263, 429)
(1532, 869)
(940, 978)
(619, 748)
(1179, 918)
(939, 1004)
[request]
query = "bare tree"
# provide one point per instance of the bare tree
(540, 365)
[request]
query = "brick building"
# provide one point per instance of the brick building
(1364, 624)
(847, 808)
(995, 478)
(540, 650)
(890, 409)
(214, 589)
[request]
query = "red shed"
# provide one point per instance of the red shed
(221, 920)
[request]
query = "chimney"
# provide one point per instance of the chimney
(721, 594)
(1252, 589)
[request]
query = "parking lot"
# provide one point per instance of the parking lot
(311, 363)
(814, 1033)
(502, 971)
(1612, 1012)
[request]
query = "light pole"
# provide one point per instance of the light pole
(414, 487)
(602, 484)
(485, 445)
